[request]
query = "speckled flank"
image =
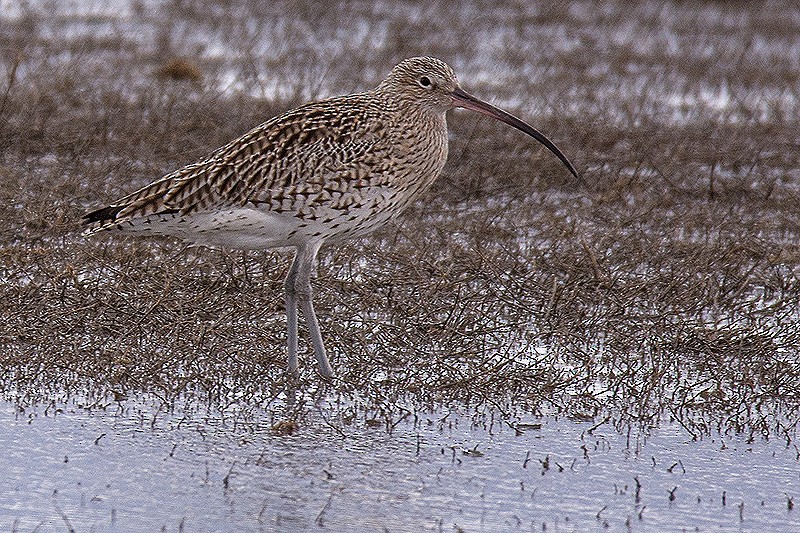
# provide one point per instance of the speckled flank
(331, 169)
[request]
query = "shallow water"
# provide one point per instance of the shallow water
(115, 471)
(659, 92)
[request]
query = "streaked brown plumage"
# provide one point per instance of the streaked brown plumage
(324, 171)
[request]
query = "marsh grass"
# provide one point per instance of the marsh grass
(664, 285)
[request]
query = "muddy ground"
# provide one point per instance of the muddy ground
(662, 286)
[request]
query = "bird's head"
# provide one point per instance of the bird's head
(423, 81)
(431, 84)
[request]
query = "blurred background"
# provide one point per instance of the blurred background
(662, 288)
(674, 259)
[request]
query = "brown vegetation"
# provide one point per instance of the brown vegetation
(664, 285)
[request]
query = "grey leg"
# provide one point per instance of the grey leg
(291, 315)
(298, 290)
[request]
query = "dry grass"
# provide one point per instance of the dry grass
(665, 285)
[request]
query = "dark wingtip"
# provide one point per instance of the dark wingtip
(105, 214)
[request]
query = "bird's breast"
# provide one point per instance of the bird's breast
(420, 154)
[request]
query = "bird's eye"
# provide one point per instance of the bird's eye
(425, 81)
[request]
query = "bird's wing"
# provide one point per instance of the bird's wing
(304, 156)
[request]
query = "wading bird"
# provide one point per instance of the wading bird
(317, 174)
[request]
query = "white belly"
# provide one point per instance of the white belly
(240, 228)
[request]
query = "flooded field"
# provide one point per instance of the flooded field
(520, 351)
(126, 468)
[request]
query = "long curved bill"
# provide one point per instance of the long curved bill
(463, 99)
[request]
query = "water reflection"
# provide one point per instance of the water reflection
(112, 471)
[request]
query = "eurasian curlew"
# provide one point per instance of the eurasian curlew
(322, 172)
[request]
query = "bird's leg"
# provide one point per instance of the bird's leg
(291, 315)
(298, 290)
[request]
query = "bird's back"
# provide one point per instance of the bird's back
(327, 170)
